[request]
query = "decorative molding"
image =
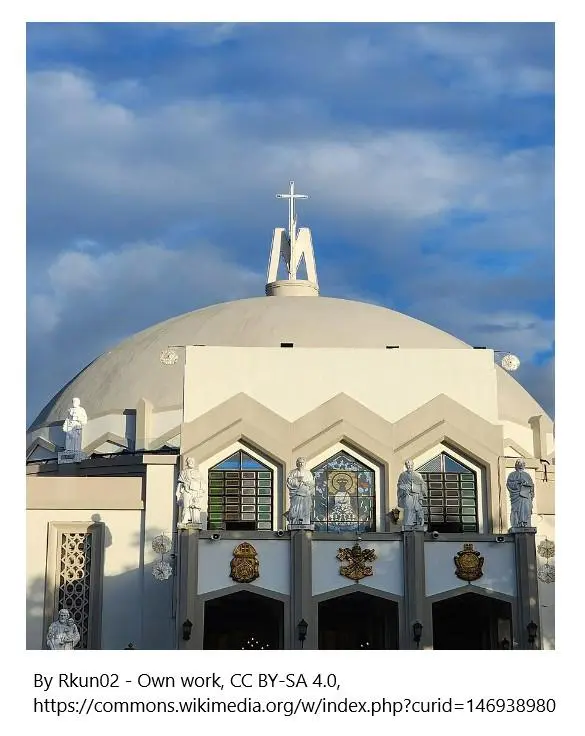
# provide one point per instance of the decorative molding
(245, 566)
(468, 563)
(115, 439)
(356, 557)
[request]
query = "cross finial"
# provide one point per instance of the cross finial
(292, 220)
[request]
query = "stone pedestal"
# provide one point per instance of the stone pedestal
(302, 590)
(69, 456)
(527, 586)
(414, 590)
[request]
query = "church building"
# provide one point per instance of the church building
(291, 471)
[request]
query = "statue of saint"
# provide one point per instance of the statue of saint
(73, 427)
(411, 490)
(301, 490)
(521, 488)
(191, 493)
(63, 633)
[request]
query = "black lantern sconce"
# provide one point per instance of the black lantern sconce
(417, 628)
(532, 628)
(187, 626)
(302, 627)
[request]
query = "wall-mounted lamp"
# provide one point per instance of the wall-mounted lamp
(532, 628)
(417, 628)
(302, 627)
(187, 626)
(394, 515)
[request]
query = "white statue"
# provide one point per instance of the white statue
(301, 489)
(63, 633)
(412, 488)
(191, 493)
(521, 490)
(73, 428)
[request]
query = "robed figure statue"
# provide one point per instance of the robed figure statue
(521, 489)
(301, 489)
(191, 493)
(63, 633)
(411, 490)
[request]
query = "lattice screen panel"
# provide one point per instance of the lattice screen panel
(74, 578)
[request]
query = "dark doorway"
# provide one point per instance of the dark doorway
(472, 621)
(243, 621)
(358, 621)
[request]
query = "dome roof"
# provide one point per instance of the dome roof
(119, 378)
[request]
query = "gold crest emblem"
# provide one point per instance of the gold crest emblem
(244, 565)
(357, 558)
(469, 563)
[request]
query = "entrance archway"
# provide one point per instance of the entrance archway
(358, 621)
(472, 621)
(243, 620)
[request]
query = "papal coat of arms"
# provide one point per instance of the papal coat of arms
(469, 563)
(357, 558)
(244, 565)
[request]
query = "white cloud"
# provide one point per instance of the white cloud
(101, 286)
(193, 155)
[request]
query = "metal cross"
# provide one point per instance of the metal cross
(292, 221)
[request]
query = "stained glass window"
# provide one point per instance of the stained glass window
(451, 505)
(240, 494)
(345, 495)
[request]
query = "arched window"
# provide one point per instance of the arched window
(345, 495)
(240, 494)
(451, 505)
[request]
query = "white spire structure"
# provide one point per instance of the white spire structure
(292, 246)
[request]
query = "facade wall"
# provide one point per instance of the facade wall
(214, 558)
(375, 378)
(387, 567)
(121, 587)
(498, 567)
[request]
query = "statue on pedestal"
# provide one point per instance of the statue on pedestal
(301, 489)
(411, 489)
(73, 428)
(63, 633)
(191, 493)
(521, 488)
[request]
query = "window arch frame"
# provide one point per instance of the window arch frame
(371, 464)
(257, 454)
(467, 461)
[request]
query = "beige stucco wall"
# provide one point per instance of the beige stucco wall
(121, 582)
(387, 567)
(292, 382)
(498, 568)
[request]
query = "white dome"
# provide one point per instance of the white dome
(116, 381)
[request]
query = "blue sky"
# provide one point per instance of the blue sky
(154, 152)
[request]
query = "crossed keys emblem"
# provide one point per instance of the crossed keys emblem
(357, 558)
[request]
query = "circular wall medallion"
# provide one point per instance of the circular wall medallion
(168, 357)
(162, 570)
(510, 362)
(161, 544)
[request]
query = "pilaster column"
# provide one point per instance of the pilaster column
(301, 590)
(413, 551)
(188, 606)
(526, 586)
